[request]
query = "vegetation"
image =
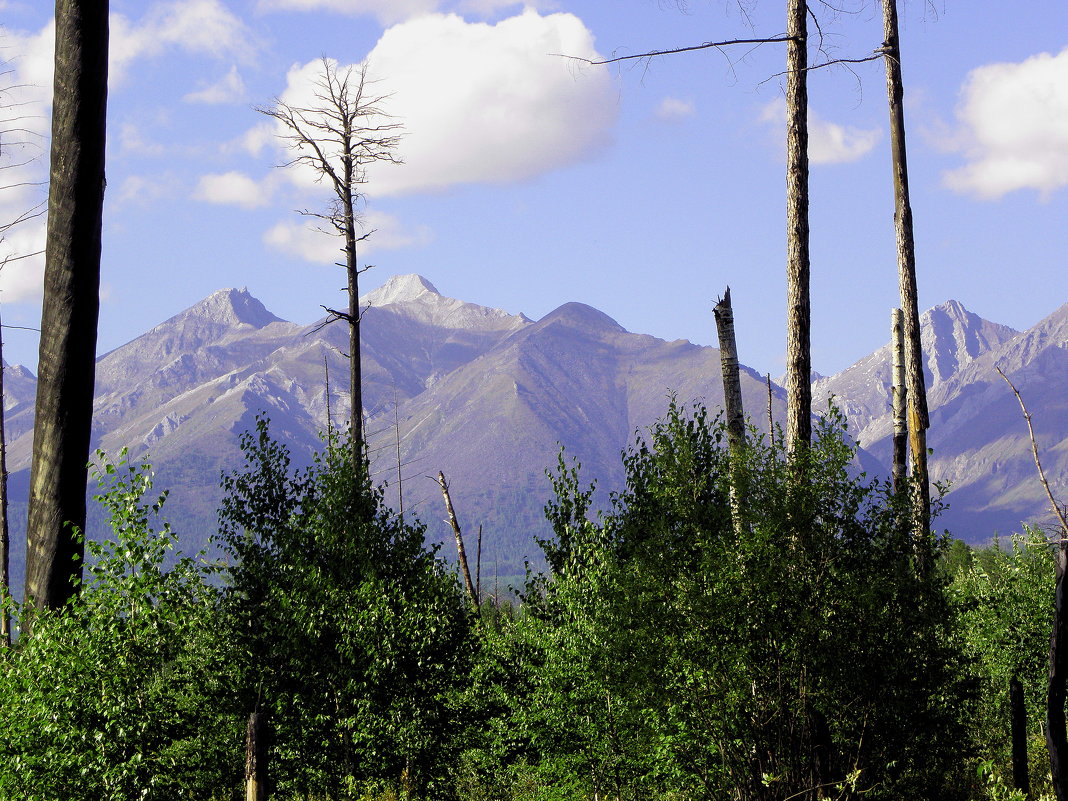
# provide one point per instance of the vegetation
(795, 645)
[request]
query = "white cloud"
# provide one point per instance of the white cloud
(228, 89)
(199, 27)
(301, 238)
(387, 11)
(233, 189)
(674, 108)
(828, 142)
(486, 103)
(1013, 128)
(143, 189)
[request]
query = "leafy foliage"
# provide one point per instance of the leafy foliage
(1004, 598)
(105, 699)
(350, 633)
(670, 655)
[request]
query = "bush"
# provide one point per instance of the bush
(107, 699)
(678, 653)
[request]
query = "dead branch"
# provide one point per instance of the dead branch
(1057, 510)
(691, 48)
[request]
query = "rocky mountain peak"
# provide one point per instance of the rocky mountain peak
(401, 289)
(231, 307)
(952, 337)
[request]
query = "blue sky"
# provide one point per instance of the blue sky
(531, 180)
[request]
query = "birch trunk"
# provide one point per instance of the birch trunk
(898, 395)
(460, 551)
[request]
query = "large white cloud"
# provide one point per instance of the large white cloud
(828, 142)
(1013, 128)
(482, 103)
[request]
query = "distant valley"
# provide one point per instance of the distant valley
(488, 397)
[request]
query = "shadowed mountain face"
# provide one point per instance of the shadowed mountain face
(489, 397)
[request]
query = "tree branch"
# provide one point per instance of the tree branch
(653, 53)
(1057, 510)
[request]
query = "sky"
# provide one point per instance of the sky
(531, 179)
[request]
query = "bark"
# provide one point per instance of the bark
(256, 766)
(798, 351)
(898, 395)
(732, 400)
(353, 273)
(70, 311)
(1018, 712)
(732, 384)
(1056, 734)
(460, 551)
(916, 392)
(5, 539)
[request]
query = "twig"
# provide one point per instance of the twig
(652, 53)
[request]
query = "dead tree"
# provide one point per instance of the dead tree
(732, 399)
(460, 551)
(67, 361)
(337, 135)
(798, 304)
(916, 393)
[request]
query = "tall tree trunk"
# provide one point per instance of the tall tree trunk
(70, 311)
(798, 348)
(906, 260)
(898, 395)
(355, 372)
(5, 539)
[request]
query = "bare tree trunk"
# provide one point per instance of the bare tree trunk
(732, 400)
(1018, 712)
(732, 385)
(798, 346)
(64, 411)
(256, 770)
(898, 395)
(355, 372)
(461, 553)
(918, 421)
(5, 539)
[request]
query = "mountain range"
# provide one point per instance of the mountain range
(489, 397)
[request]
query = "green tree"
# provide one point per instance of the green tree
(112, 697)
(1005, 610)
(678, 656)
(351, 634)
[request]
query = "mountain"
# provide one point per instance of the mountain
(979, 441)
(489, 397)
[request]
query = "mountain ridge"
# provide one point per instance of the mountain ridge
(488, 397)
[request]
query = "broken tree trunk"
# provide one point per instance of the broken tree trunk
(461, 553)
(732, 399)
